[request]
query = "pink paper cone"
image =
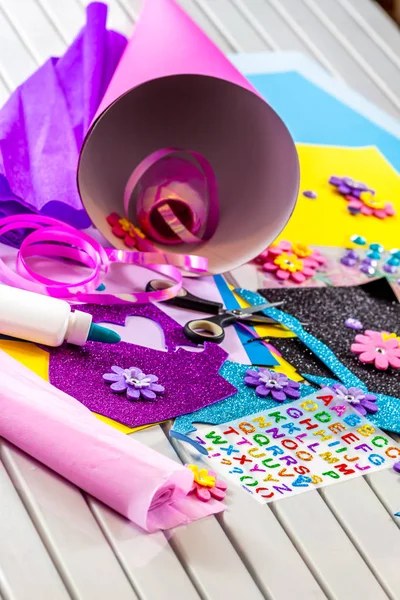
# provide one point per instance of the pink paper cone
(173, 88)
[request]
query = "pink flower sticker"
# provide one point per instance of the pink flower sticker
(291, 261)
(376, 347)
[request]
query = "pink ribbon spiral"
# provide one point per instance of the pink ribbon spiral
(172, 196)
(52, 238)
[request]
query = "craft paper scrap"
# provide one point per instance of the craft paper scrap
(307, 444)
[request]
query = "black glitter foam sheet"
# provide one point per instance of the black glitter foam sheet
(325, 311)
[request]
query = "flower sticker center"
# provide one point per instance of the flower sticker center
(289, 262)
(134, 383)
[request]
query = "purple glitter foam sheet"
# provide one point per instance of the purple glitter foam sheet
(43, 124)
(190, 379)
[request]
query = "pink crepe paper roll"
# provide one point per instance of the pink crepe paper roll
(138, 482)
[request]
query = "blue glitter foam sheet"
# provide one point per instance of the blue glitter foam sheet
(245, 402)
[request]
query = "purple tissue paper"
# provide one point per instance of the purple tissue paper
(42, 125)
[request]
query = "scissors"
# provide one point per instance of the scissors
(211, 329)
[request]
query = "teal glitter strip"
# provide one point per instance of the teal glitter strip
(388, 416)
(245, 402)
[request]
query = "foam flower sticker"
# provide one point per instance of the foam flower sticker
(288, 266)
(301, 250)
(310, 256)
(269, 383)
(378, 348)
(369, 205)
(294, 261)
(363, 402)
(206, 485)
(347, 185)
(122, 228)
(134, 383)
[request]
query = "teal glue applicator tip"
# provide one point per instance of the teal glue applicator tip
(46, 320)
(97, 333)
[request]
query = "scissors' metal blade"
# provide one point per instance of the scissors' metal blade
(260, 320)
(252, 309)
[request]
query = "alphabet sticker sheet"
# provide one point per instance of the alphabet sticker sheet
(301, 446)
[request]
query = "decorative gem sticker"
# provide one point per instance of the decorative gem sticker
(309, 443)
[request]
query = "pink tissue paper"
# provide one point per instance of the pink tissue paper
(136, 481)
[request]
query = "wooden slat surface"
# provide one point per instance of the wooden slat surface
(26, 569)
(87, 565)
(342, 542)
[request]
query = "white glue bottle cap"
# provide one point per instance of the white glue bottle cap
(46, 320)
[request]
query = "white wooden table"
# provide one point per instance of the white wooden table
(340, 543)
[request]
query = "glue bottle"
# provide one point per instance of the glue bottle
(46, 320)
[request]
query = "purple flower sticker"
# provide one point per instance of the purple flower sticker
(134, 383)
(277, 385)
(347, 185)
(362, 401)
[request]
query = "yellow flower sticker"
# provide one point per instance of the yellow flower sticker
(372, 201)
(201, 476)
(289, 262)
(301, 250)
(127, 226)
(390, 336)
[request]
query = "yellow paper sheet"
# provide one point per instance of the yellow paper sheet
(326, 220)
(37, 360)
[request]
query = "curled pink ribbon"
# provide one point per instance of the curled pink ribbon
(54, 239)
(172, 196)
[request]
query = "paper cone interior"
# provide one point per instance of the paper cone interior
(174, 88)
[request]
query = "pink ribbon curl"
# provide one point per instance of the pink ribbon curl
(172, 196)
(54, 239)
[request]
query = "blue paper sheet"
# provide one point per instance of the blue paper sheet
(254, 63)
(315, 117)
